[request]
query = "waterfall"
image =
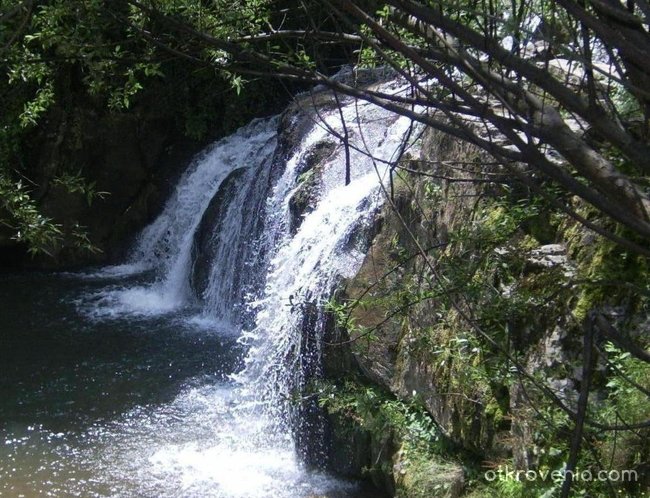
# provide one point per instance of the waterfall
(257, 234)
(327, 247)
(168, 246)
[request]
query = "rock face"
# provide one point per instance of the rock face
(298, 118)
(302, 201)
(410, 337)
(129, 159)
(211, 223)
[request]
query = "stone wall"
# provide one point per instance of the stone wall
(430, 354)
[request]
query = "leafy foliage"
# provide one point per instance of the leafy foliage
(57, 55)
(480, 322)
(381, 413)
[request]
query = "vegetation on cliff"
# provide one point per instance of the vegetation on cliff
(506, 295)
(498, 330)
(75, 76)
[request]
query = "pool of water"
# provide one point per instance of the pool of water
(98, 402)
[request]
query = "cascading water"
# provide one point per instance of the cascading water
(166, 245)
(307, 265)
(259, 231)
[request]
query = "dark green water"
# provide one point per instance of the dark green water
(70, 385)
(62, 369)
(112, 404)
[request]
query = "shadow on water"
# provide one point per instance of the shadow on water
(129, 405)
(62, 369)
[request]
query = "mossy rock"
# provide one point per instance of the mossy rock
(425, 476)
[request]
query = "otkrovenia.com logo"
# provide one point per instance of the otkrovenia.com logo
(507, 474)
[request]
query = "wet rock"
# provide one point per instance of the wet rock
(307, 193)
(210, 224)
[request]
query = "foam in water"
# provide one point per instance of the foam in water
(307, 265)
(165, 246)
(236, 441)
(225, 457)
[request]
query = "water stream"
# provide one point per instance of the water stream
(172, 374)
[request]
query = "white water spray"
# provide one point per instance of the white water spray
(227, 239)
